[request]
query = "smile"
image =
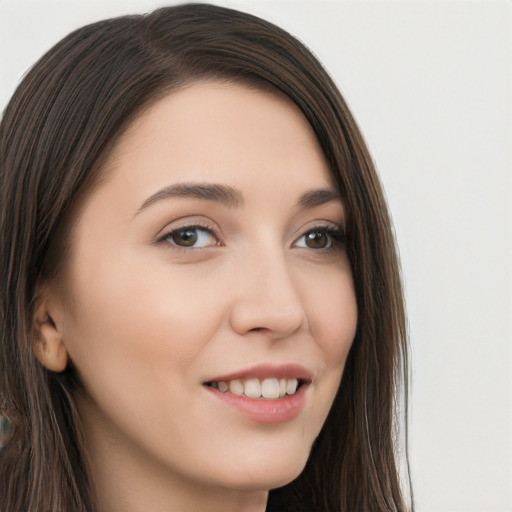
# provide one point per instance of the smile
(265, 393)
(269, 388)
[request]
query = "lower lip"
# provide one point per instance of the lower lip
(279, 410)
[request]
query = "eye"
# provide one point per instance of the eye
(321, 238)
(195, 237)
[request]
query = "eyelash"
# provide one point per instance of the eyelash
(337, 237)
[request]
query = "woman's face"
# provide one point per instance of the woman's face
(212, 256)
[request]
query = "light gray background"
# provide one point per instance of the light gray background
(430, 84)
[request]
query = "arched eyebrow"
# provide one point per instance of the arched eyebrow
(230, 196)
(318, 197)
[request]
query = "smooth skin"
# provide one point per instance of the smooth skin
(202, 252)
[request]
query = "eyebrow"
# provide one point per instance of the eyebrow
(230, 196)
(318, 197)
(224, 194)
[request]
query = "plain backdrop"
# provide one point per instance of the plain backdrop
(430, 84)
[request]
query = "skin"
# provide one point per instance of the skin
(146, 322)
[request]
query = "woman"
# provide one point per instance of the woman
(202, 306)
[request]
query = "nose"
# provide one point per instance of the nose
(267, 299)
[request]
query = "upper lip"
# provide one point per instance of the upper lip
(265, 371)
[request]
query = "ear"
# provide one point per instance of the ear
(47, 341)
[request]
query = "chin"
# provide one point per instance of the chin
(264, 475)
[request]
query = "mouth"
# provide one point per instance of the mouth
(267, 394)
(265, 382)
(270, 388)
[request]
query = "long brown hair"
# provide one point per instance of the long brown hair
(59, 127)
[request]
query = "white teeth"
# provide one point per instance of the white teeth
(252, 388)
(236, 387)
(270, 388)
(282, 388)
(291, 386)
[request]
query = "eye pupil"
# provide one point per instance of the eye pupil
(317, 240)
(185, 237)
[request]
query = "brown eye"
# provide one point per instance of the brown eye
(191, 236)
(317, 240)
(321, 238)
(185, 237)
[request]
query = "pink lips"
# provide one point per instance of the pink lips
(262, 410)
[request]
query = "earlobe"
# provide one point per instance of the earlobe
(47, 342)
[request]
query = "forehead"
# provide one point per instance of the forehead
(216, 127)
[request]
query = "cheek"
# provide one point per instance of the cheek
(332, 316)
(131, 328)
